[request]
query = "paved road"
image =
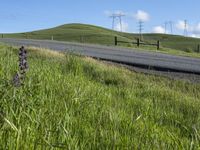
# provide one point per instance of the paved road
(127, 56)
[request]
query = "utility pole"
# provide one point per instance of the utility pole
(117, 16)
(171, 26)
(166, 27)
(141, 27)
(185, 28)
(120, 22)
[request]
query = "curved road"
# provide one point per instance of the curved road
(157, 61)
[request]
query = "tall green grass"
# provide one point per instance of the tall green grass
(72, 102)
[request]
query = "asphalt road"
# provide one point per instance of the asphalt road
(157, 61)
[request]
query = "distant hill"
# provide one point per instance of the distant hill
(98, 35)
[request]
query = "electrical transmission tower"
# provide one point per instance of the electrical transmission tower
(141, 28)
(170, 24)
(117, 16)
(113, 20)
(166, 23)
(185, 28)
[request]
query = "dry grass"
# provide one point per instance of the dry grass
(46, 52)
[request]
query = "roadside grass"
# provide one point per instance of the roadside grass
(73, 102)
(164, 50)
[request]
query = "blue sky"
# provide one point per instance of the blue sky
(27, 15)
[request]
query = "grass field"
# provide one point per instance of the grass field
(98, 35)
(72, 102)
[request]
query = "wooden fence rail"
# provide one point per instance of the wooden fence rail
(198, 48)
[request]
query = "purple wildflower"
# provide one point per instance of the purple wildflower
(23, 67)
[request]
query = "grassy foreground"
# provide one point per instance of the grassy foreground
(71, 102)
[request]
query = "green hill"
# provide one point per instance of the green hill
(98, 35)
(71, 102)
(74, 32)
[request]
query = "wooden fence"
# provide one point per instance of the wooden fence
(138, 43)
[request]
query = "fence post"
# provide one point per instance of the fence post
(158, 45)
(52, 38)
(138, 42)
(115, 40)
(2, 36)
(82, 39)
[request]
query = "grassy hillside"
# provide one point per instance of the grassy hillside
(71, 102)
(74, 32)
(186, 44)
(99, 35)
